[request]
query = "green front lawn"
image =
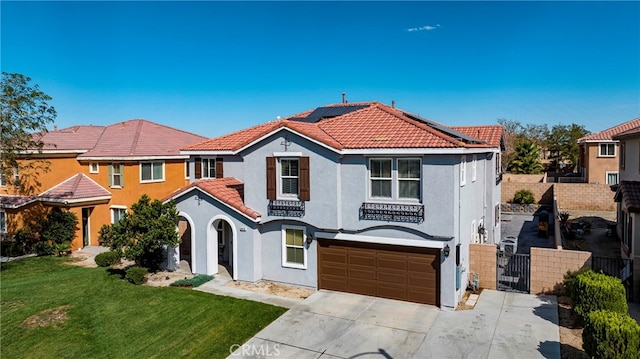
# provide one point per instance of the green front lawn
(53, 310)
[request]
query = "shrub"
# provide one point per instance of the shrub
(107, 259)
(524, 196)
(611, 335)
(570, 281)
(196, 281)
(60, 226)
(43, 248)
(593, 291)
(136, 275)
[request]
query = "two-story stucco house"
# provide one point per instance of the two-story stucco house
(97, 172)
(355, 197)
(628, 198)
(599, 154)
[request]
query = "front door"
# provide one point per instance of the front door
(86, 234)
(184, 230)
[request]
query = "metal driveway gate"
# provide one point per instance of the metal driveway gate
(513, 272)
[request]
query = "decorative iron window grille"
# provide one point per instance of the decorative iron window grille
(392, 212)
(286, 208)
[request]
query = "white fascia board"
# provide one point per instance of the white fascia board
(600, 141)
(209, 195)
(208, 153)
(54, 152)
(74, 201)
(417, 151)
(132, 158)
(423, 243)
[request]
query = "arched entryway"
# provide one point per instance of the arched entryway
(221, 246)
(186, 243)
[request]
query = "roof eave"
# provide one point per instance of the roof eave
(194, 187)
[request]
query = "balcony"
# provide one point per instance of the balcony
(391, 212)
(285, 208)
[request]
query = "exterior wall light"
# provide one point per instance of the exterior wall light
(446, 250)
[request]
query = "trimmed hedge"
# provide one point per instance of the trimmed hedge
(196, 281)
(593, 291)
(107, 259)
(136, 275)
(611, 335)
(524, 196)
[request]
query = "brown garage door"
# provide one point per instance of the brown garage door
(396, 272)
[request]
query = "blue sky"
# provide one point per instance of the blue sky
(215, 67)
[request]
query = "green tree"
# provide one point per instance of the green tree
(60, 229)
(25, 113)
(526, 159)
(142, 234)
(562, 143)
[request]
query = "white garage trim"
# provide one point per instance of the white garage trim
(382, 240)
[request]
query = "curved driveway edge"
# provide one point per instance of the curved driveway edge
(341, 325)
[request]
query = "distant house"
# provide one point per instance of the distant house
(628, 198)
(97, 172)
(355, 197)
(599, 154)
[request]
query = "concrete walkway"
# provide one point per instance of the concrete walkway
(217, 286)
(342, 325)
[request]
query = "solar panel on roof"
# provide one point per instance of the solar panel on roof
(445, 129)
(328, 111)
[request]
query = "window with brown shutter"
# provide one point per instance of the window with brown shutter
(198, 168)
(271, 178)
(305, 188)
(219, 166)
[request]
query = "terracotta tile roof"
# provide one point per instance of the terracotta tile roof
(79, 188)
(10, 201)
(634, 132)
(227, 190)
(628, 194)
(133, 138)
(373, 126)
(492, 134)
(608, 134)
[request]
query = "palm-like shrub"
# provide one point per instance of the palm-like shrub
(527, 159)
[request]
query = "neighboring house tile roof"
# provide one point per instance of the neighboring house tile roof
(11, 201)
(227, 190)
(492, 134)
(608, 134)
(77, 189)
(628, 193)
(634, 132)
(133, 138)
(367, 125)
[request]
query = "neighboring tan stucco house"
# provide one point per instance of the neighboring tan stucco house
(97, 172)
(628, 198)
(356, 197)
(600, 154)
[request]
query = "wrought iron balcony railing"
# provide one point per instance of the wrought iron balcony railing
(286, 208)
(392, 212)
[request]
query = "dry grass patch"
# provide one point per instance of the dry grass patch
(47, 318)
(267, 287)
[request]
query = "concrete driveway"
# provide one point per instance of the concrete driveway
(341, 325)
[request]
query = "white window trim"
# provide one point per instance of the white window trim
(281, 195)
(92, 169)
(4, 214)
(115, 165)
(600, 144)
(186, 170)
(284, 247)
(152, 180)
(111, 212)
(606, 177)
(463, 170)
(205, 174)
(474, 168)
(398, 179)
(475, 238)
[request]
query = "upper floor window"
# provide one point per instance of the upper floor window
(607, 150)
(380, 175)
(612, 178)
(401, 181)
(288, 178)
(152, 171)
(409, 178)
(187, 174)
(208, 167)
(623, 150)
(294, 252)
(474, 168)
(116, 175)
(3, 177)
(94, 167)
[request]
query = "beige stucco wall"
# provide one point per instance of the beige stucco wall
(597, 167)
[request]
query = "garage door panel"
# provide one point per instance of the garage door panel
(389, 271)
